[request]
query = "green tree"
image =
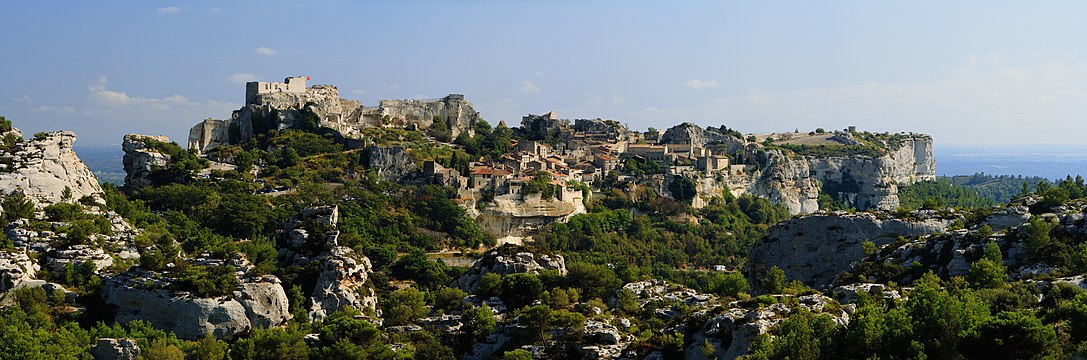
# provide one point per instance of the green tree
(683, 188)
(478, 323)
(489, 285)
(159, 349)
(593, 281)
(801, 336)
(775, 281)
(517, 354)
(988, 272)
(1036, 237)
(448, 298)
(535, 318)
(404, 306)
(521, 289)
(627, 301)
(1011, 335)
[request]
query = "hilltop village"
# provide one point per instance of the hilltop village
(686, 162)
(306, 225)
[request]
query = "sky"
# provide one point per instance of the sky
(966, 72)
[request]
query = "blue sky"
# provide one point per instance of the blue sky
(968, 72)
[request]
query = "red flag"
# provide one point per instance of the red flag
(307, 77)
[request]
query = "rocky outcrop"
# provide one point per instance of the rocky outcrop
(140, 159)
(391, 163)
(733, 331)
(17, 270)
(509, 260)
(44, 167)
(688, 133)
(860, 181)
(142, 295)
(210, 133)
(520, 216)
(814, 249)
(341, 281)
(453, 110)
(78, 255)
(321, 106)
(115, 349)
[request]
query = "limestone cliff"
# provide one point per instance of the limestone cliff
(141, 295)
(860, 181)
(43, 167)
(816, 248)
(140, 159)
(520, 216)
(321, 106)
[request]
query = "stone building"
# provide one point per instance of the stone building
(295, 84)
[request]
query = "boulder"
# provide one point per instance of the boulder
(115, 349)
(17, 270)
(1008, 217)
(142, 295)
(77, 255)
(508, 260)
(342, 282)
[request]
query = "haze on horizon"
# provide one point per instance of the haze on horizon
(974, 72)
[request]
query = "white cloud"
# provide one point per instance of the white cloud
(104, 96)
(359, 92)
(702, 84)
(169, 10)
(53, 109)
(216, 10)
(266, 51)
(242, 78)
(529, 87)
(24, 98)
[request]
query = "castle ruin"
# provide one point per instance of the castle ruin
(295, 84)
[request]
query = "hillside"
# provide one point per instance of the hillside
(297, 230)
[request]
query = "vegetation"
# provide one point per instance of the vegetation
(939, 194)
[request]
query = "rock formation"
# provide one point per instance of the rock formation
(509, 260)
(516, 215)
(816, 248)
(17, 270)
(43, 167)
(391, 163)
(115, 349)
(341, 281)
(140, 159)
(696, 136)
(142, 295)
(321, 106)
(863, 182)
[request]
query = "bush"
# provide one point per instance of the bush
(207, 281)
(404, 307)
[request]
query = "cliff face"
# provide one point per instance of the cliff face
(257, 302)
(514, 215)
(863, 182)
(321, 106)
(43, 167)
(140, 159)
(814, 249)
